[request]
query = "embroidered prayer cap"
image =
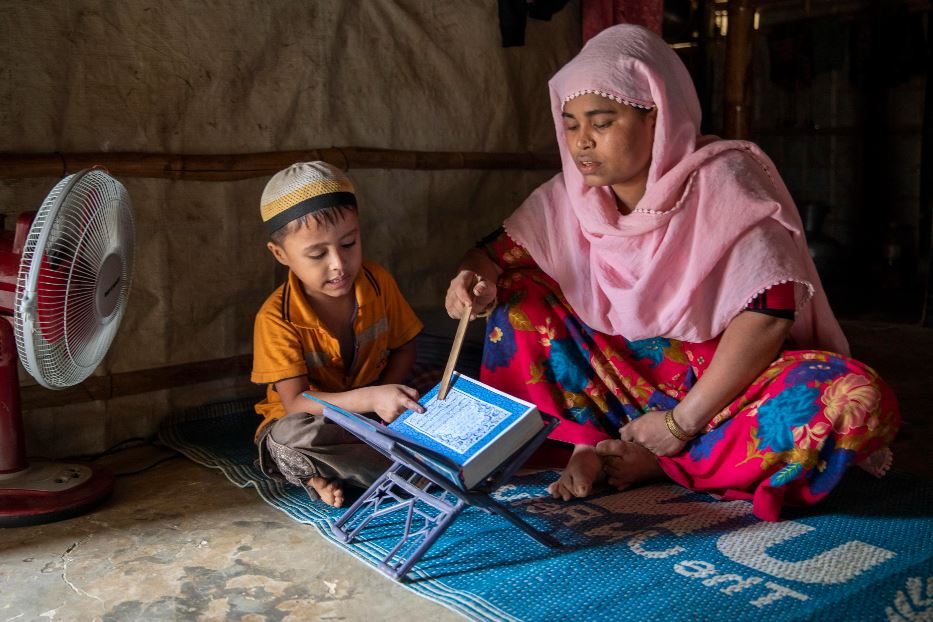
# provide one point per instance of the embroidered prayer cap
(304, 188)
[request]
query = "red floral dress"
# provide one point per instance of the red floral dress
(787, 439)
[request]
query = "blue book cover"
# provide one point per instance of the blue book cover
(476, 426)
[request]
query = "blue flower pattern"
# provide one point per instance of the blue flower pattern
(837, 462)
(580, 414)
(499, 353)
(821, 371)
(701, 447)
(660, 400)
(651, 349)
(566, 365)
(632, 411)
(617, 413)
(792, 407)
(690, 378)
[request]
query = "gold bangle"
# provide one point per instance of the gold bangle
(675, 429)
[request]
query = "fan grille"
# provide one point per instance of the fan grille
(74, 278)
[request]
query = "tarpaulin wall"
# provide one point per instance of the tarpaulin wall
(228, 77)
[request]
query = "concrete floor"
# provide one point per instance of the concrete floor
(179, 542)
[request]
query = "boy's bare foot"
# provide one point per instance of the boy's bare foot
(583, 470)
(627, 463)
(329, 490)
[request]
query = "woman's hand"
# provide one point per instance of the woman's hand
(474, 285)
(469, 288)
(651, 432)
(391, 400)
(748, 345)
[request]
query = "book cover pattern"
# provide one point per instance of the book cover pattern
(469, 418)
(458, 422)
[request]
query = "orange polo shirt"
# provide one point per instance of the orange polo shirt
(290, 341)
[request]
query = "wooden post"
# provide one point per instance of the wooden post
(737, 96)
(231, 167)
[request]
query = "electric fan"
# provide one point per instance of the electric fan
(65, 274)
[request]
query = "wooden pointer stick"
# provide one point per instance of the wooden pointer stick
(454, 352)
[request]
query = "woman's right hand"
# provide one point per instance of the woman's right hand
(469, 288)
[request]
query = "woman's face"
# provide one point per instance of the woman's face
(610, 143)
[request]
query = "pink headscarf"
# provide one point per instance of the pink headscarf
(716, 226)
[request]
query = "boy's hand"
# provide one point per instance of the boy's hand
(391, 400)
(469, 288)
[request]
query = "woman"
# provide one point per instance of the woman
(658, 297)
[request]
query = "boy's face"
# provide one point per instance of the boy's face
(325, 258)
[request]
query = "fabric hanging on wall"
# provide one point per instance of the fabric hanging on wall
(597, 15)
(799, 52)
(791, 56)
(830, 39)
(513, 15)
(887, 49)
(166, 77)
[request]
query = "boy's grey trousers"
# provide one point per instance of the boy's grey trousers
(300, 446)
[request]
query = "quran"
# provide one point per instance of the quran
(450, 457)
(464, 437)
(476, 427)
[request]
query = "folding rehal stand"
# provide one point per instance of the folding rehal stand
(426, 496)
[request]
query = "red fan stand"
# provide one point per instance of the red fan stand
(41, 491)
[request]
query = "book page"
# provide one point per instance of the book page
(458, 422)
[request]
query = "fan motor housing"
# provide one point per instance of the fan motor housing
(109, 279)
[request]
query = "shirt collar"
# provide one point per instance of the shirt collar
(298, 309)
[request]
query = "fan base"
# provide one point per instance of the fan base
(51, 491)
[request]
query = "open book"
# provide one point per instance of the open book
(477, 427)
(466, 436)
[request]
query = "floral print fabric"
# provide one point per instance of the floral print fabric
(787, 439)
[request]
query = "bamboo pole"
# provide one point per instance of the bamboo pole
(205, 167)
(139, 381)
(454, 352)
(737, 93)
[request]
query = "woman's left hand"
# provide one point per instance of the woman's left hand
(651, 432)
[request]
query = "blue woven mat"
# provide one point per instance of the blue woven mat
(658, 552)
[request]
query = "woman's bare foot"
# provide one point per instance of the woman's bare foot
(329, 490)
(627, 463)
(583, 470)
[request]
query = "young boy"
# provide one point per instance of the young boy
(338, 328)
